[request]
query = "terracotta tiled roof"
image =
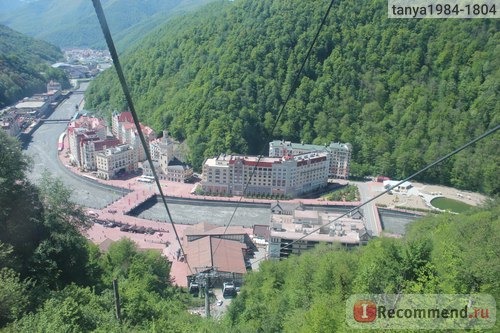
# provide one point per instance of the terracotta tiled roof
(205, 229)
(108, 143)
(125, 117)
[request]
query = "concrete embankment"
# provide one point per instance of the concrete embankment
(151, 201)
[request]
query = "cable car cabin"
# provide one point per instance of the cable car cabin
(194, 288)
(228, 290)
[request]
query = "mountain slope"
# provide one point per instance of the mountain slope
(25, 65)
(403, 92)
(74, 23)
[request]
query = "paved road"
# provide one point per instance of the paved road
(368, 210)
(43, 150)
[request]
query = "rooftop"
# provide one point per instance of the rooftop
(225, 255)
(206, 229)
(308, 147)
(345, 230)
(30, 104)
(125, 117)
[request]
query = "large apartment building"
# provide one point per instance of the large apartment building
(287, 175)
(82, 133)
(92, 149)
(339, 153)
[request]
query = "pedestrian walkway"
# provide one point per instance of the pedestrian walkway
(164, 240)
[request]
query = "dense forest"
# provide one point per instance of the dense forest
(25, 66)
(402, 92)
(74, 23)
(53, 280)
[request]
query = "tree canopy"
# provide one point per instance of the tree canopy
(402, 92)
(25, 66)
(54, 280)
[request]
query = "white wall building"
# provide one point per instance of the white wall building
(123, 128)
(288, 175)
(339, 153)
(80, 132)
(163, 151)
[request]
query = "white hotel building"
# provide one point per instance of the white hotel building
(339, 153)
(287, 175)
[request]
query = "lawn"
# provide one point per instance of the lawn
(450, 204)
(345, 193)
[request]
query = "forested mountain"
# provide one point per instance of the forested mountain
(74, 23)
(403, 92)
(25, 66)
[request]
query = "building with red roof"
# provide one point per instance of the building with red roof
(225, 250)
(123, 128)
(253, 175)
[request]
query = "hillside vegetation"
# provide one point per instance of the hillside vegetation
(403, 92)
(25, 66)
(445, 254)
(74, 23)
(53, 280)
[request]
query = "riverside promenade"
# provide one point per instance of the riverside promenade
(114, 216)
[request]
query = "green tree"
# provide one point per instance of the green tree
(14, 296)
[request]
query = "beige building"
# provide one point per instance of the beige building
(81, 132)
(339, 153)
(123, 128)
(34, 108)
(287, 175)
(227, 250)
(288, 230)
(53, 86)
(111, 162)
(175, 171)
(178, 171)
(89, 147)
(163, 152)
